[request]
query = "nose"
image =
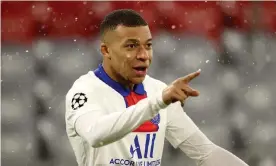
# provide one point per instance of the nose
(143, 54)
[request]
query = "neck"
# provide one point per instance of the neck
(116, 77)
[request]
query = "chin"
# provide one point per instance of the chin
(137, 80)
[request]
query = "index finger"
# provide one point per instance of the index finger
(191, 76)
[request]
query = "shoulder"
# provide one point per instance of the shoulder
(154, 83)
(87, 84)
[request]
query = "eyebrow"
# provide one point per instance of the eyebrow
(136, 41)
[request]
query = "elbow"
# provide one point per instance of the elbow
(95, 143)
(99, 142)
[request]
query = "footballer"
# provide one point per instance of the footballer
(119, 115)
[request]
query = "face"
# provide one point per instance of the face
(127, 52)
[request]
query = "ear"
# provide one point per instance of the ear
(105, 50)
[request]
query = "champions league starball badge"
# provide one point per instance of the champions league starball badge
(78, 101)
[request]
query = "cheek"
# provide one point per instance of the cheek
(126, 64)
(150, 57)
(123, 62)
(128, 56)
(126, 60)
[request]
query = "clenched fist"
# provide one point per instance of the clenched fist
(179, 90)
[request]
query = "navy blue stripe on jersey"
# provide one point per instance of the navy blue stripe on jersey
(102, 75)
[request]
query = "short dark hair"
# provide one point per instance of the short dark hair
(125, 17)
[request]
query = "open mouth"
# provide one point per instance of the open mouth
(140, 68)
(140, 71)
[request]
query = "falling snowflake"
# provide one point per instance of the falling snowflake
(173, 26)
(207, 61)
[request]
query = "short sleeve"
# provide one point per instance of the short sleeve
(179, 125)
(80, 102)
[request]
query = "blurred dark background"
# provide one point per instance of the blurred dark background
(48, 45)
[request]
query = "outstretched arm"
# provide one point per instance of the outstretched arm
(183, 133)
(206, 153)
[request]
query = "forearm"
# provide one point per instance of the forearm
(99, 131)
(206, 153)
(219, 157)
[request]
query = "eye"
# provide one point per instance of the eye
(131, 45)
(149, 45)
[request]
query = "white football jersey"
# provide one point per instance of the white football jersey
(109, 125)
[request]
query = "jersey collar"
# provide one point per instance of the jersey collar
(102, 75)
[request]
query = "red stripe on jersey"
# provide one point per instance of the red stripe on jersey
(148, 126)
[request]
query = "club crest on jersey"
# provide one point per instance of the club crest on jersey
(156, 119)
(150, 125)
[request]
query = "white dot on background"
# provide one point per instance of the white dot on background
(207, 61)
(27, 50)
(173, 26)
